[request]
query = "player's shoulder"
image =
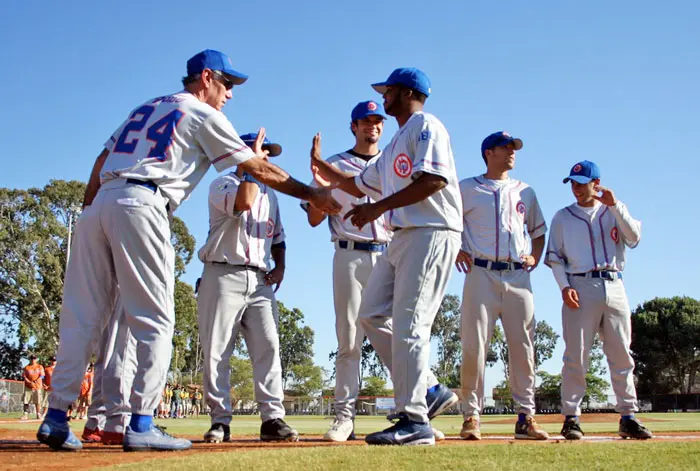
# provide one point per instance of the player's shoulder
(222, 181)
(422, 120)
(562, 213)
(470, 182)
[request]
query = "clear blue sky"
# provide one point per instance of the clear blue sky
(612, 82)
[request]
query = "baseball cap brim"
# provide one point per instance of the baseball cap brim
(234, 76)
(578, 179)
(273, 149)
(381, 87)
(518, 143)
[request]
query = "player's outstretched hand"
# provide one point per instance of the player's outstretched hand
(529, 262)
(362, 214)
(463, 262)
(607, 197)
(322, 200)
(570, 297)
(275, 277)
(316, 169)
(257, 145)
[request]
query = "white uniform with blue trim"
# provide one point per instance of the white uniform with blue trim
(233, 297)
(585, 241)
(352, 266)
(405, 289)
(122, 240)
(501, 217)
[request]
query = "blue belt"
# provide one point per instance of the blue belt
(498, 266)
(604, 274)
(366, 246)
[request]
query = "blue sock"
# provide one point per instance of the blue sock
(140, 423)
(626, 417)
(57, 415)
(433, 389)
(521, 417)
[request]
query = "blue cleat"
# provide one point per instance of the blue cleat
(58, 436)
(441, 399)
(403, 432)
(154, 439)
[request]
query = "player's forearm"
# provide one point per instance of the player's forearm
(245, 196)
(279, 257)
(344, 181)
(425, 186)
(538, 248)
(94, 182)
(314, 216)
(559, 272)
(276, 178)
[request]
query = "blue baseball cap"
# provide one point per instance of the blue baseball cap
(367, 108)
(583, 172)
(410, 77)
(500, 138)
(214, 60)
(274, 149)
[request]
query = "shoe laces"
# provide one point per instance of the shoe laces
(162, 429)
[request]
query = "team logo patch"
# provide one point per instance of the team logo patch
(403, 166)
(520, 208)
(270, 230)
(371, 106)
(615, 234)
(577, 168)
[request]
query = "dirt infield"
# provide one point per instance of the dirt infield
(20, 450)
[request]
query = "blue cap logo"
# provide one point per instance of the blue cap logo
(273, 149)
(410, 77)
(500, 138)
(214, 60)
(365, 109)
(583, 172)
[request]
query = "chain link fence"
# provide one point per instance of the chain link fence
(11, 393)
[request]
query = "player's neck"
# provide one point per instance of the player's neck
(493, 174)
(587, 204)
(405, 115)
(366, 149)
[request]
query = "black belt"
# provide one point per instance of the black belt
(366, 246)
(147, 184)
(604, 274)
(249, 267)
(498, 266)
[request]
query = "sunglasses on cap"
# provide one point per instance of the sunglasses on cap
(228, 84)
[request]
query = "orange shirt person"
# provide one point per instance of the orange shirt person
(33, 386)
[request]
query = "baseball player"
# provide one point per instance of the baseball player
(48, 372)
(236, 294)
(356, 254)
(502, 243)
(417, 179)
(586, 253)
(33, 387)
(122, 240)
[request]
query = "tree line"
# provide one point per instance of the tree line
(34, 229)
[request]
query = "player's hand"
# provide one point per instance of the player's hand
(257, 145)
(463, 262)
(362, 214)
(570, 297)
(316, 169)
(275, 277)
(322, 200)
(529, 262)
(607, 197)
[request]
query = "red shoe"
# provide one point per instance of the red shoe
(112, 438)
(92, 435)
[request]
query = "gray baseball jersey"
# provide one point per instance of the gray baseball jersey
(233, 297)
(501, 217)
(585, 241)
(405, 288)
(122, 240)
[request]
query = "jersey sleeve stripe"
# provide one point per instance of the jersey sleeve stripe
(228, 154)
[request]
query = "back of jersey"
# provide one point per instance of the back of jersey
(171, 140)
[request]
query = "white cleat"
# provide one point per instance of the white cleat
(340, 431)
(439, 436)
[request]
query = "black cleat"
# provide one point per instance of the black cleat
(572, 430)
(633, 428)
(218, 433)
(276, 430)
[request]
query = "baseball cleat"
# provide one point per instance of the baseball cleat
(218, 433)
(154, 439)
(571, 430)
(277, 430)
(58, 436)
(403, 432)
(470, 429)
(112, 438)
(633, 428)
(439, 436)
(92, 435)
(441, 399)
(340, 431)
(529, 430)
